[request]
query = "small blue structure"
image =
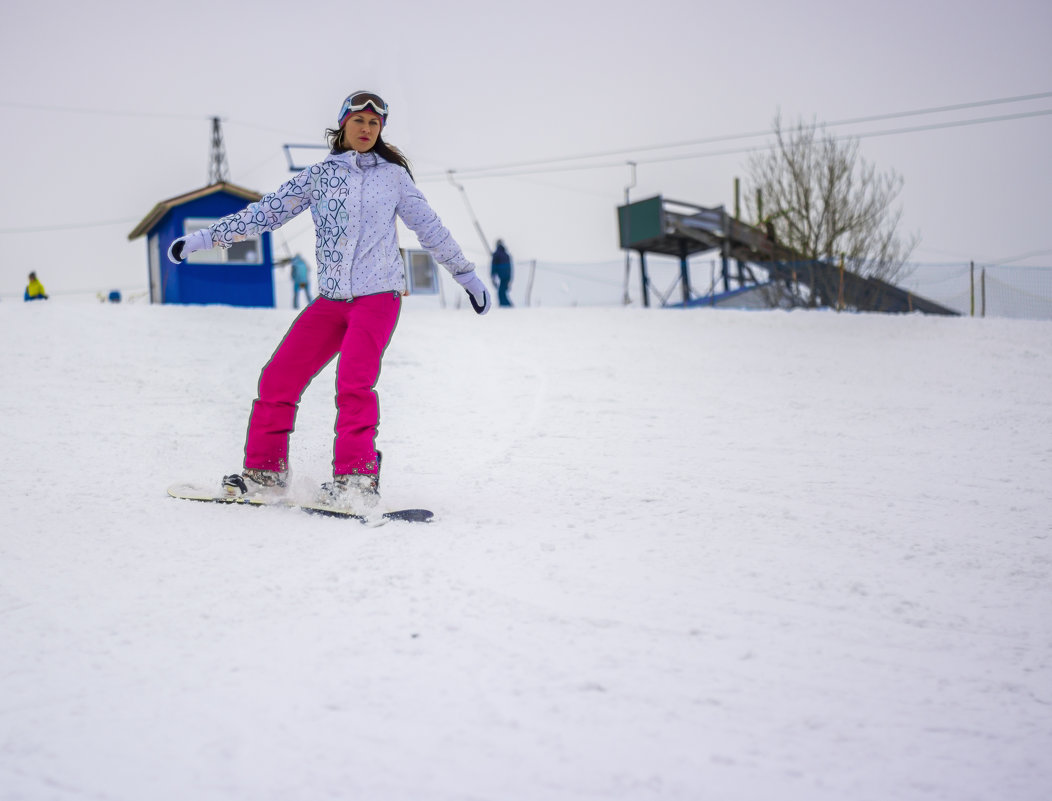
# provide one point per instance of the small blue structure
(242, 275)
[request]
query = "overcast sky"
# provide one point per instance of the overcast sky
(106, 109)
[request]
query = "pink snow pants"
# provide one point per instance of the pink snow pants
(358, 331)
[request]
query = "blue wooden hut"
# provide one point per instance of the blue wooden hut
(242, 275)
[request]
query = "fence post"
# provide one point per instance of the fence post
(529, 284)
(972, 282)
(643, 278)
(840, 288)
(982, 285)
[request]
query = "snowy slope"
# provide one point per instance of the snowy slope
(678, 555)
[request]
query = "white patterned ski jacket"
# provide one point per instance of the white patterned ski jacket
(353, 198)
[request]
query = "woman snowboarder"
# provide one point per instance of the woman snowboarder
(354, 195)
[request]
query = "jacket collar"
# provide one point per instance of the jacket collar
(356, 161)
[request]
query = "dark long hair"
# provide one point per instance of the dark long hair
(390, 153)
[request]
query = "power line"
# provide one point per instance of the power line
(951, 124)
(66, 226)
(1020, 257)
(595, 154)
(483, 172)
(619, 164)
(267, 129)
(754, 134)
(148, 114)
(547, 165)
(102, 111)
(866, 135)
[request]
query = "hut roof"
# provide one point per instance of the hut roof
(162, 208)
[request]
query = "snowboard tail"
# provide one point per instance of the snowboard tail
(194, 492)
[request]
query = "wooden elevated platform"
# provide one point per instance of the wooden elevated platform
(678, 229)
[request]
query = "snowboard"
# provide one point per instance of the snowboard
(196, 492)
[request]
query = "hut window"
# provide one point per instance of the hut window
(422, 272)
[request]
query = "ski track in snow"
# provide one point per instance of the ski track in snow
(677, 555)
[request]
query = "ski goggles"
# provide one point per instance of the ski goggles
(360, 101)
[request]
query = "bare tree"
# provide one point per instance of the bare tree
(816, 196)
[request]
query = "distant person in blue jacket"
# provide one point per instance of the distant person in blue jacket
(300, 280)
(35, 289)
(501, 272)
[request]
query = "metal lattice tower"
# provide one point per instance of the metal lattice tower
(218, 169)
